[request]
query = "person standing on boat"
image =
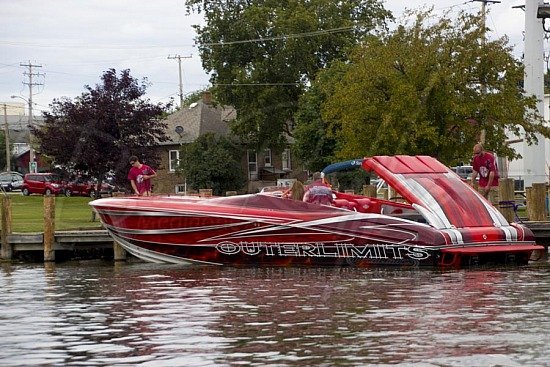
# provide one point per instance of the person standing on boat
(483, 163)
(140, 176)
(318, 191)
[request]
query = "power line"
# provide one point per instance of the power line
(255, 84)
(274, 38)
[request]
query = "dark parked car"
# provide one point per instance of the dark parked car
(84, 186)
(42, 183)
(11, 181)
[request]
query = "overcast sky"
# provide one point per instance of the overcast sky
(76, 41)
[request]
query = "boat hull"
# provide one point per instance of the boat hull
(242, 232)
(372, 255)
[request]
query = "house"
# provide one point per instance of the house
(19, 135)
(186, 125)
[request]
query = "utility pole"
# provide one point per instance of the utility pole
(32, 164)
(7, 136)
(534, 156)
(179, 57)
(484, 11)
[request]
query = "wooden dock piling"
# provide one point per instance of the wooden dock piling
(6, 252)
(536, 202)
(369, 190)
(506, 195)
(49, 228)
(119, 253)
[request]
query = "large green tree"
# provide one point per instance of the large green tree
(100, 129)
(428, 87)
(212, 162)
(314, 143)
(261, 54)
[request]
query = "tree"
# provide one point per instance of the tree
(102, 128)
(212, 162)
(262, 53)
(428, 88)
(193, 97)
(313, 145)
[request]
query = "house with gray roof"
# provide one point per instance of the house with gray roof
(263, 168)
(184, 127)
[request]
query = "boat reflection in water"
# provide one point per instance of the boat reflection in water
(89, 314)
(443, 223)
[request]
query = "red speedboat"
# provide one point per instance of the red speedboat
(443, 223)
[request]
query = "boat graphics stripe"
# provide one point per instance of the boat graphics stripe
(153, 256)
(440, 219)
(335, 250)
(251, 234)
(173, 230)
(155, 212)
(322, 226)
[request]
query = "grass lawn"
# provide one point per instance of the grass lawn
(70, 213)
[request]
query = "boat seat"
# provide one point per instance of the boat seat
(364, 204)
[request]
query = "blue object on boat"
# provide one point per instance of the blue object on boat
(342, 166)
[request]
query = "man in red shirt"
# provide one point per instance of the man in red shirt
(140, 177)
(483, 163)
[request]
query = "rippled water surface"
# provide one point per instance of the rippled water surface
(100, 314)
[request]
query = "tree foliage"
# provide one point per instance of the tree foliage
(428, 87)
(261, 54)
(193, 97)
(212, 162)
(314, 145)
(99, 130)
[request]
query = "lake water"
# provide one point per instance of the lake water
(98, 313)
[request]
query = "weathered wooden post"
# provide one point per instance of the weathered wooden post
(119, 253)
(369, 190)
(49, 228)
(506, 197)
(527, 201)
(7, 250)
(536, 201)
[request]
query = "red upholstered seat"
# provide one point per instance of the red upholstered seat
(346, 204)
(364, 204)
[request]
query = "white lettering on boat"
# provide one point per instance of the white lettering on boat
(338, 250)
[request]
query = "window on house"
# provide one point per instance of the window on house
(267, 158)
(19, 148)
(173, 159)
(287, 166)
(180, 189)
(252, 165)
